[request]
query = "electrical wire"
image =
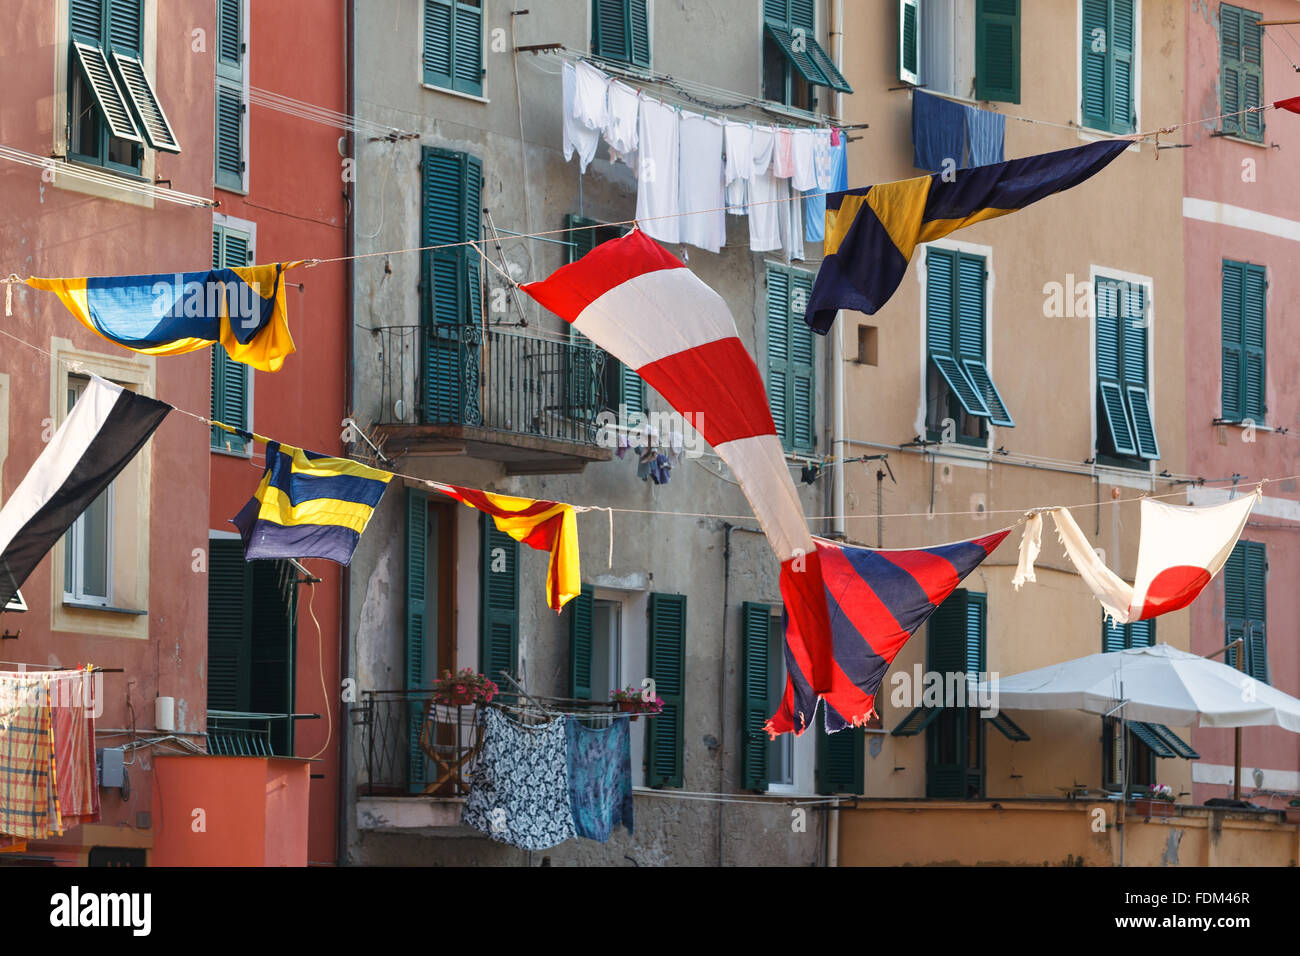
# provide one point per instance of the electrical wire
(91, 176)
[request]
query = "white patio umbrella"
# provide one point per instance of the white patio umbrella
(1161, 685)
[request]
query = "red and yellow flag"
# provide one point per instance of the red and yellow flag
(544, 525)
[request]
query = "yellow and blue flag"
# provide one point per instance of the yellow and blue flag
(309, 506)
(242, 309)
(871, 233)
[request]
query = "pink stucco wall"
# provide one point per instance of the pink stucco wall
(1219, 170)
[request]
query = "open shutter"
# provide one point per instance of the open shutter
(1133, 338)
(230, 108)
(909, 41)
(579, 611)
(756, 624)
(1095, 66)
(1109, 371)
(1254, 292)
(499, 592)
(841, 763)
(472, 206)
(997, 50)
(943, 330)
(972, 350)
(1123, 109)
(93, 61)
(230, 610)
(418, 676)
(976, 624)
(778, 353)
(667, 666)
(803, 380)
(148, 110)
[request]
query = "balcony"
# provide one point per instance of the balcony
(527, 401)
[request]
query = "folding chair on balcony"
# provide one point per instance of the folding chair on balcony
(450, 736)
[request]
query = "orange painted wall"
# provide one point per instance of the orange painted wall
(254, 811)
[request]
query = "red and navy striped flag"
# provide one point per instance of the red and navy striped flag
(876, 600)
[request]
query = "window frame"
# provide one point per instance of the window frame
(629, 61)
(1242, 413)
(480, 93)
(964, 723)
(1086, 131)
(76, 78)
(1234, 127)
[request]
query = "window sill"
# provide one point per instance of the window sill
(246, 454)
(1232, 138)
(106, 608)
(1243, 424)
(1090, 135)
(241, 190)
(457, 93)
(84, 178)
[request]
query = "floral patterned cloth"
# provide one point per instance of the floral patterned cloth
(600, 777)
(519, 785)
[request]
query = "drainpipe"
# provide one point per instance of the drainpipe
(722, 670)
(833, 836)
(345, 579)
(837, 341)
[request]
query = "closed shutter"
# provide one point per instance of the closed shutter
(1241, 80)
(231, 380)
(1113, 636)
(620, 30)
(1123, 112)
(499, 592)
(1142, 634)
(946, 644)
(997, 50)
(1245, 606)
(1252, 75)
(230, 620)
(1095, 67)
(756, 625)
(1123, 395)
(451, 285)
(453, 45)
(231, 111)
(909, 41)
(1134, 337)
(439, 42)
(579, 611)
(1244, 334)
(955, 643)
(841, 763)
(86, 20)
(274, 633)
(582, 386)
(418, 675)
(639, 28)
(667, 666)
(791, 359)
(1234, 353)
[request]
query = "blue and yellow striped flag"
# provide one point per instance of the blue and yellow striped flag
(309, 506)
(871, 233)
(243, 309)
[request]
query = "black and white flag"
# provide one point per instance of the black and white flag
(103, 432)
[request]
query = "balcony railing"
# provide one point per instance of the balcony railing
(233, 733)
(494, 380)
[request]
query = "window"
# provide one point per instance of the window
(88, 545)
(1119, 637)
(667, 668)
(453, 45)
(230, 148)
(1146, 742)
(113, 110)
(451, 285)
(593, 386)
(1244, 322)
(252, 629)
(1245, 606)
(232, 382)
(1109, 65)
(764, 763)
(793, 61)
(595, 647)
(1241, 71)
(939, 51)
(620, 31)
(791, 374)
(1128, 436)
(841, 763)
(959, 385)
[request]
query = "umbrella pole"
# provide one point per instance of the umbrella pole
(1123, 782)
(1240, 663)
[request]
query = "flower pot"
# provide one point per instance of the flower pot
(1147, 807)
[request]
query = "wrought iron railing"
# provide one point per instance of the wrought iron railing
(235, 733)
(497, 380)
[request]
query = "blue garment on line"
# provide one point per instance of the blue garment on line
(600, 777)
(987, 134)
(938, 131)
(814, 204)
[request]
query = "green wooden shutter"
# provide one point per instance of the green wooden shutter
(1245, 605)
(1113, 637)
(230, 625)
(620, 30)
(1230, 66)
(418, 674)
(468, 77)
(499, 593)
(944, 331)
(946, 632)
(1252, 74)
(231, 112)
(579, 611)
(1110, 391)
(472, 228)
(86, 20)
(1234, 352)
(1254, 328)
(778, 353)
(841, 762)
(1096, 64)
(909, 41)
(1133, 338)
(273, 643)
(803, 381)
(639, 29)
(667, 666)
(776, 11)
(126, 25)
(1241, 80)
(231, 380)
(976, 631)
(1122, 51)
(955, 643)
(1142, 633)
(582, 390)
(439, 42)
(997, 50)
(803, 16)
(756, 624)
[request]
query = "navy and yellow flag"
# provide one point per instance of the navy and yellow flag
(872, 232)
(309, 505)
(243, 309)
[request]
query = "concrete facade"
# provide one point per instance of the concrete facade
(528, 188)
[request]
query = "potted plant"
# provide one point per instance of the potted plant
(632, 701)
(463, 688)
(1158, 802)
